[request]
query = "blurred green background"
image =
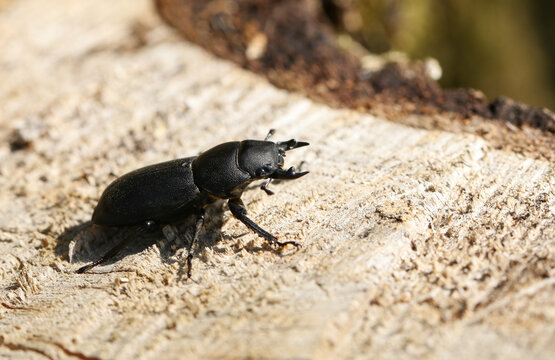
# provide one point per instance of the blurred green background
(502, 47)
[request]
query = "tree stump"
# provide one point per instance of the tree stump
(416, 242)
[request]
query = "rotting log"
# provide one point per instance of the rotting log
(416, 242)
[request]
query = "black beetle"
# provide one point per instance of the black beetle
(167, 192)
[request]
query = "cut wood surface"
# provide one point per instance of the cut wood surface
(416, 243)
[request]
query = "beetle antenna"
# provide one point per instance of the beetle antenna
(269, 135)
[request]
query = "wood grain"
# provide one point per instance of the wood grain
(416, 243)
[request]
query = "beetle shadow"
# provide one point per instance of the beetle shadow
(64, 240)
(86, 242)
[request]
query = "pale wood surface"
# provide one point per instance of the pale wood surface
(417, 243)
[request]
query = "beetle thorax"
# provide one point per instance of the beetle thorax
(217, 171)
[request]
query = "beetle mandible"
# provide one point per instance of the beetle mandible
(167, 192)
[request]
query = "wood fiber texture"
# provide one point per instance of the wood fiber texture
(417, 243)
(293, 45)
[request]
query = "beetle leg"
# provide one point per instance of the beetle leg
(148, 226)
(265, 187)
(190, 249)
(238, 209)
(110, 254)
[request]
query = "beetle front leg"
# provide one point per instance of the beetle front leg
(239, 210)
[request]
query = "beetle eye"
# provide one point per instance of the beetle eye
(260, 172)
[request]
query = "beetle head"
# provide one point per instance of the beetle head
(264, 159)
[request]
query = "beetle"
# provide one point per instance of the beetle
(164, 193)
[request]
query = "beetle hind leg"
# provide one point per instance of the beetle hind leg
(239, 210)
(110, 254)
(148, 226)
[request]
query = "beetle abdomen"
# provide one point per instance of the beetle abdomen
(161, 192)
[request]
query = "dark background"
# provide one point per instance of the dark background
(502, 47)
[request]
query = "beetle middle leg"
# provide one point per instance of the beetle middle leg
(190, 248)
(238, 209)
